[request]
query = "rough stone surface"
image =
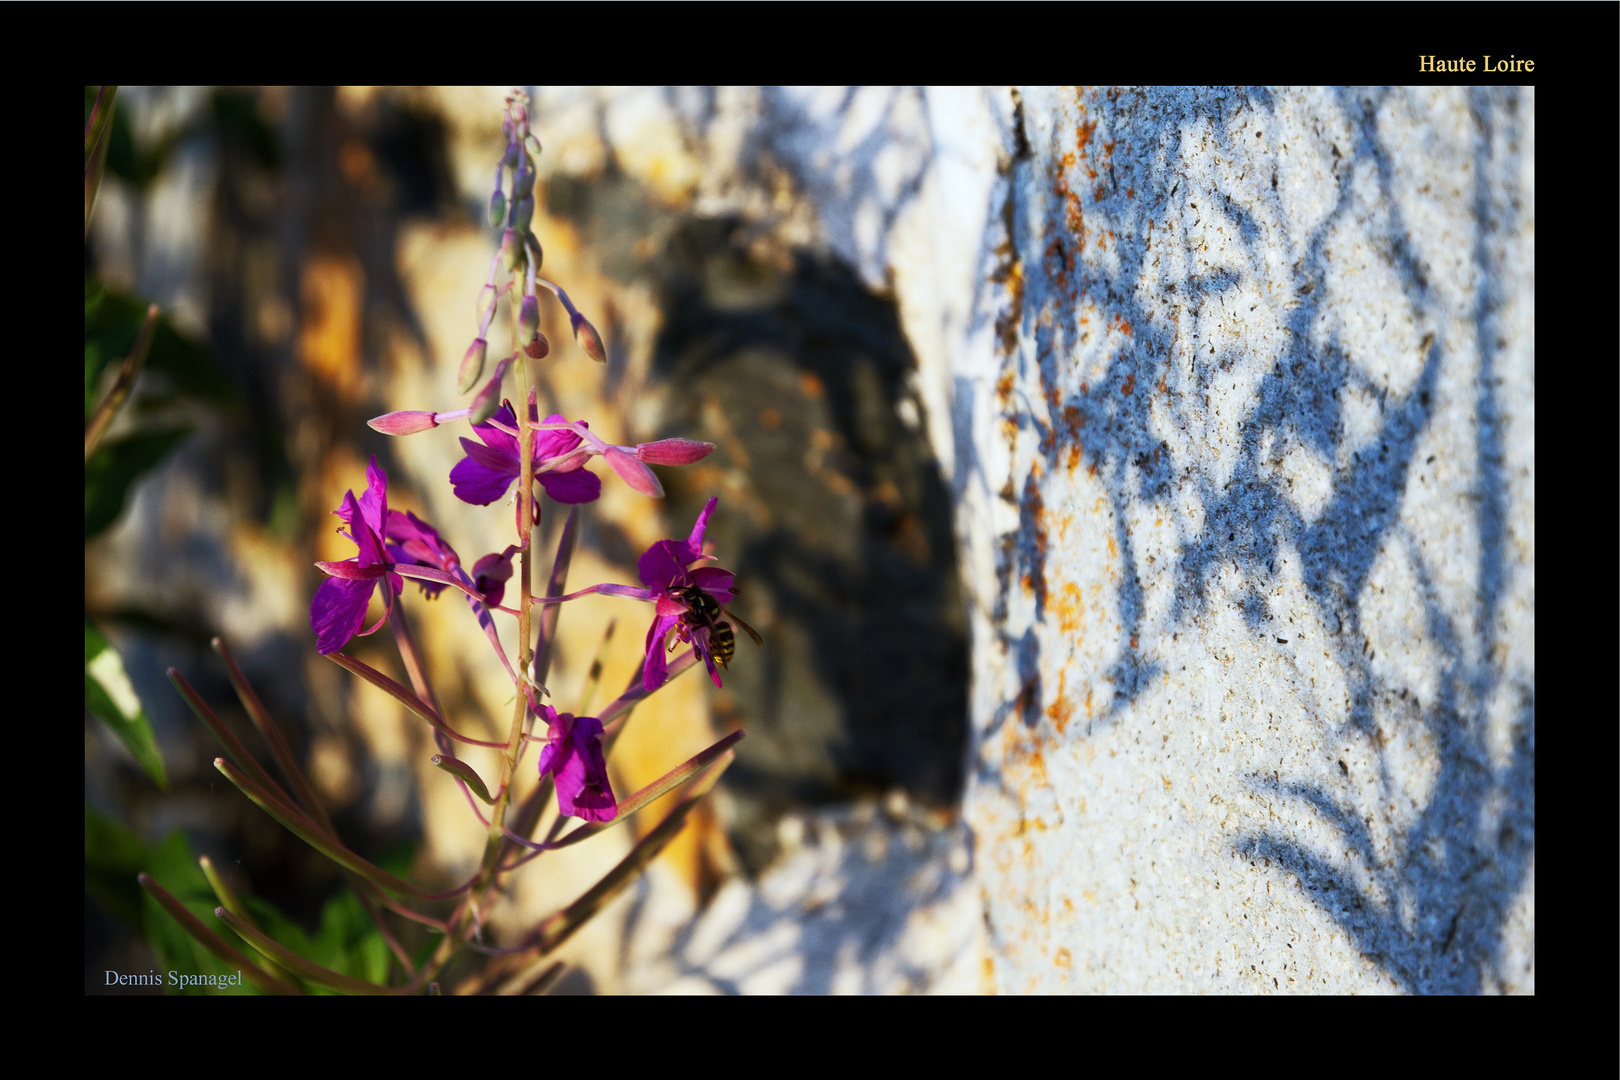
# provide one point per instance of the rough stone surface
(1248, 514)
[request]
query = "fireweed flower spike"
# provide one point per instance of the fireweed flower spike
(573, 756)
(682, 583)
(339, 607)
(667, 570)
(487, 471)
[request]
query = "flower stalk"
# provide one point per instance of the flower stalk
(547, 455)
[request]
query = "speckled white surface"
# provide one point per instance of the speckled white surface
(1255, 697)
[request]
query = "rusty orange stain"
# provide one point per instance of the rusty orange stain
(1091, 470)
(1083, 135)
(1163, 389)
(1060, 712)
(1069, 607)
(1028, 583)
(1068, 905)
(1089, 895)
(1124, 326)
(1084, 389)
(1113, 548)
(1074, 458)
(1088, 703)
(1074, 420)
(1063, 960)
(1166, 780)
(1004, 388)
(1129, 384)
(1130, 193)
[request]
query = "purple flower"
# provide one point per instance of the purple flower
(488, 470)
(491, 573)
(573, 757)
(414, 542)
(339, 607)
(667, 570)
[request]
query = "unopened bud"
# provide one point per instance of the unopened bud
(523, 215)
(587, 337)
(407, 422)
(488, 401)
(490, 575)
(511, 251)
(533, 144)
(529, 316)
(539, 252)
(634, 473)
(514, 152)
(472, 365)
(497, 209)
(523, 180)
(538, 347)
(674, 451)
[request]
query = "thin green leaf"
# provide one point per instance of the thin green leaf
(404, 697)
(119, 392)
(226, 738)
(658, 788)
(271, 731)
(300, 826)
(212, 941)
(227, 897)
(96, 129)
(284, 956)
(110, 696)
(566, 542)
(459, 768)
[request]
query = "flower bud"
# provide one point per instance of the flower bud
(674, 451)
(497, 209)
(407, 422)
(490, 575)
(539, 252)
(587, 337)
(529, 316)
(538, 347)
(523, 180)
(472, 365)
(634, 473)
(511, 251)
(488, 400)
(533, 145)
(523, 215)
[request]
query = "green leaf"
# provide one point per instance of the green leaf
(348, 942)
(111, 321)
(109, 695)
(173, 865)
(113, 470)
(112, 857)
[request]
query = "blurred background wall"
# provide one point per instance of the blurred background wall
(326, 247)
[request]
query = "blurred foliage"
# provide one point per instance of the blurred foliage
(232, 115)
(109, 695)
(345, 941)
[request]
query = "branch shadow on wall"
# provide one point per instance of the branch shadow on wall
(1435, 920)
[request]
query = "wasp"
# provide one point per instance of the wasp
(703, 610)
